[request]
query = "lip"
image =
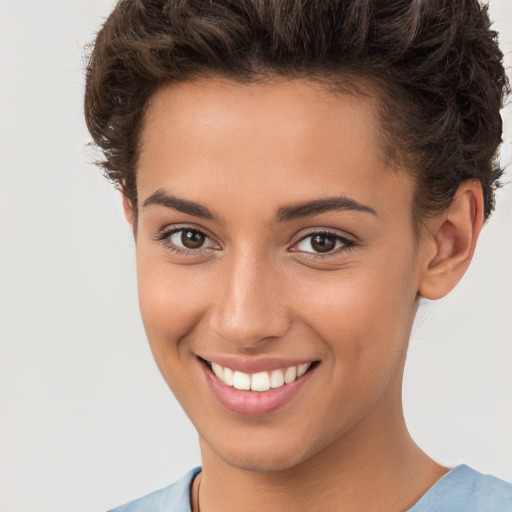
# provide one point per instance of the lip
(254, 365)
(254, 403)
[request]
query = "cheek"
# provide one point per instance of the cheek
(172, 301)
(363, 316)
(360, 301)
(168, 302)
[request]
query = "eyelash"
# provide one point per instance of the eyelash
(164, 238)
(346, 244)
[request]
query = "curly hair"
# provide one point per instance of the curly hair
(434, 65)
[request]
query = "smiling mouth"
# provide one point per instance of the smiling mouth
(260, 381)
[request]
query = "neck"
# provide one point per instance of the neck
(376, 465)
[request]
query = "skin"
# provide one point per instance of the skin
(258, 288)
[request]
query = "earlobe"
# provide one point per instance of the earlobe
(127, 208)
(453, 236)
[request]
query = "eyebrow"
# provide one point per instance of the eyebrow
(162, 198)
(286, 213)
(318, 206)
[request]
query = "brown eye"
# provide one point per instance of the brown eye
(323, 242)
(189, 239)
(192, 239)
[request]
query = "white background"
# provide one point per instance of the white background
(86, 420)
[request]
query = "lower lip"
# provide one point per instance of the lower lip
(254, 403)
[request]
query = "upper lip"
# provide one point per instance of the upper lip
(255, 364)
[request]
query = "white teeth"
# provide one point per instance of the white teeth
(302, 369)
(276, 379)
(228, 376)
(261, 381)
(218, 370)
(290, 375)
(241, 381)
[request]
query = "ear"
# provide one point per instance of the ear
(127, 208)
(451, 243)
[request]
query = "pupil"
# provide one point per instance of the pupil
(192, 239)
(323, 243)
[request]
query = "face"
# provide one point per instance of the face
(274, 244)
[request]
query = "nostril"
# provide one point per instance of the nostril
(252, 334)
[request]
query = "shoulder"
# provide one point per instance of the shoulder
(490, 494)
(173, 498)
(465, 490)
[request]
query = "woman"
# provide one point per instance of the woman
(297, 176)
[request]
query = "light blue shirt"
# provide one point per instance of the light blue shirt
(461, 490)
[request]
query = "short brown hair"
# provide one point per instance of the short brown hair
(436, 66)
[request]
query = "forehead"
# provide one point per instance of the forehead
(292, 136)
(293, 108)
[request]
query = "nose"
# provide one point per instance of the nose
(250, 308)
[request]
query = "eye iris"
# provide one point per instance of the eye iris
(192, 239)
(323, 243)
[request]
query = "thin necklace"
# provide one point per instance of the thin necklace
(200, 476)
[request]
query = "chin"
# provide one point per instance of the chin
(261, 453)
(263, 462)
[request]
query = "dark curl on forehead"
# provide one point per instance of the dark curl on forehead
(434, 66)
